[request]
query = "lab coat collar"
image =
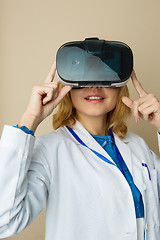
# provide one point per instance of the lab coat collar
(92, 143)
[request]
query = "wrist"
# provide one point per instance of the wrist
(29, 121)
(25, 129)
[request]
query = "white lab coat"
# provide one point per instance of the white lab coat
(87, 198)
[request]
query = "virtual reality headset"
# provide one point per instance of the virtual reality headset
(94, 62)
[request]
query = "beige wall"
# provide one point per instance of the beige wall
(32, 30)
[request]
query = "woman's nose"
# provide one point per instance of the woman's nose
(95, 87)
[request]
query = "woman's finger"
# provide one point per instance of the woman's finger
(137, 85)
(142, 108)
(61, 94)
(127, 101)
(135, 111)
(52, 93)
(51, 73)
(149, 110)
(132, 105)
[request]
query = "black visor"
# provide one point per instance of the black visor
(94, 62)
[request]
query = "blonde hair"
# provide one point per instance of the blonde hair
(65, 114)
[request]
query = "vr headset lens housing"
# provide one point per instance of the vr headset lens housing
(94, 62)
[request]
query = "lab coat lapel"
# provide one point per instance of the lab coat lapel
(90, 141)
(125, 152)
(121, 145)
(128, 158)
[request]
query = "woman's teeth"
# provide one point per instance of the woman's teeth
(94, 98)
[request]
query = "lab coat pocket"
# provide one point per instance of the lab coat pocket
(151, 197)
(151, 184)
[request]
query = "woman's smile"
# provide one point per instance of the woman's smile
(94, 101)
(94, 98)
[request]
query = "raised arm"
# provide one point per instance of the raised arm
(24, 171)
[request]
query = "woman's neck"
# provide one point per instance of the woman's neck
(94, 125)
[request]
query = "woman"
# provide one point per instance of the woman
(98, 181)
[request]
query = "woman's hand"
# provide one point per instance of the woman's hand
(44, 98)
(146, 106)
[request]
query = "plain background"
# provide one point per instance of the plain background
(31, 31)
